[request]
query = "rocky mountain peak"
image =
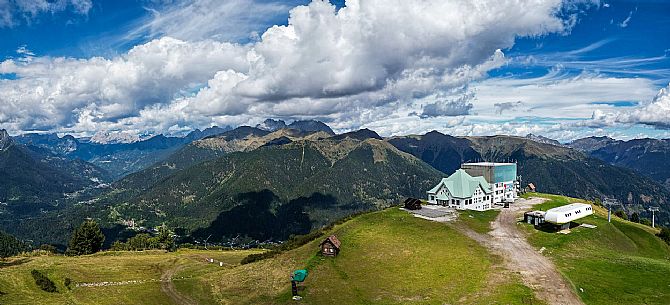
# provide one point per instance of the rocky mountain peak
(543, 139)
(5, 139)
(272, 125)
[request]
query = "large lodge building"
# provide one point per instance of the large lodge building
(477, 186)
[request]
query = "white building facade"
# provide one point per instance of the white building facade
(477, 186)
(463, 192)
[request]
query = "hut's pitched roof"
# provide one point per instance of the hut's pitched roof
(333, 240)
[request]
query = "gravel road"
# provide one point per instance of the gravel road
(167, 287)
(536, 270)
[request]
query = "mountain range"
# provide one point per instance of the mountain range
(34, 180)
(271, 181)
(649, 157)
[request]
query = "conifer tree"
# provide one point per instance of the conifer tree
(87, 239)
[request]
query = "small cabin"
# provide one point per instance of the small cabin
(412, 204)
(330, 246)
(535, 218)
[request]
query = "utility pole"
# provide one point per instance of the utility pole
(609, 203)
(653, 211)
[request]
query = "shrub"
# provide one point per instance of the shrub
(48, 248)
(635, 217)
(645, 221)
(140, 242)
(665, 234)
(621, 214)
(43, 281)
(598, 202)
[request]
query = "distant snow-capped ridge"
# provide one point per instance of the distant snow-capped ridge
(117, 137)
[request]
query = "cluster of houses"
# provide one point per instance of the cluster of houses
(477, 186)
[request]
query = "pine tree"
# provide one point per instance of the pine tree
(87, 239)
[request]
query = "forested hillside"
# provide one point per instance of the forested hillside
(275, 191)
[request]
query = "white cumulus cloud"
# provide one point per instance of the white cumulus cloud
(347, 66)
(655, 113)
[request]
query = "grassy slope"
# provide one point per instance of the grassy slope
(479, 222)
(616, 263)
(388, 257)
(19, 287)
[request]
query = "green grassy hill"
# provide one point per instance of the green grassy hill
(18, 287)
(616, 263)
(388, 257)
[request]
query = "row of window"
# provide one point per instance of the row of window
(577, 212)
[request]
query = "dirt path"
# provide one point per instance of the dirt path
(537, 271)
(167, 287)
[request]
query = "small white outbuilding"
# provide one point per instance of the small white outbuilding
(567, 213)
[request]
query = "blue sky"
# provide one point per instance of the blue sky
(564, 70)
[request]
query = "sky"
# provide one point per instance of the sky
(562, 69)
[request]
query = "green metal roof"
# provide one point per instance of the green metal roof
(461, 185)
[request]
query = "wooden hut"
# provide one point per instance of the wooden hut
(330, 246)
(412, 204)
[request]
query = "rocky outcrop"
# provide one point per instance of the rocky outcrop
(5, 140)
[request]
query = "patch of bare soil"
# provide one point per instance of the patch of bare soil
(537, 271)
(167, 287)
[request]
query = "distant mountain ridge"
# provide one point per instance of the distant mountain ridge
(649, 157)
(291, 180)
(119, 159)
(302, 125)
(33, 179)
(592, 143)
(543, 139)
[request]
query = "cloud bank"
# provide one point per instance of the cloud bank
(348, 66)
(655, 113)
